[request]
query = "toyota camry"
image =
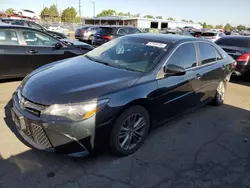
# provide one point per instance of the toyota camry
(119, 91)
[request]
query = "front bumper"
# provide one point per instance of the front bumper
(70, 138)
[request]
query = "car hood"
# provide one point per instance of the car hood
(74, 80)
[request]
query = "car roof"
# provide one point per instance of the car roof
(236, 37)
(15, 27)
(166, 38)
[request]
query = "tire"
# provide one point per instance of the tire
(134, 136)
(220, 94)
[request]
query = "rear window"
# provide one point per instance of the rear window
(208, 34)
(104, 30)
(240, 42)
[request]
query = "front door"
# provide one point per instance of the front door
(13, 60)
(40, 49)
(179, 93)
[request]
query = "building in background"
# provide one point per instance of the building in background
(143, 23)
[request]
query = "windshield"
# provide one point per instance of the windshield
(130, 53)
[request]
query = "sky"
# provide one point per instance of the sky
(213, 12)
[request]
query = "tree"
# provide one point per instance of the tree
(54, 14)
(171, 19)
(159, 17)
(200, 23)
(241, 27)
(227, 27)
(204, 25)
(69, 15)
(9, 11)
(210, 26)
(107, 13)
(183, 20)
(149, 16)
(191, 21)
(45, 14)
(219, 27)
(137, 15)
(78, 19)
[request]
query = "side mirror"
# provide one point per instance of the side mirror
(173, 70)
(58, 46)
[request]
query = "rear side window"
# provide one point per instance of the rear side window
(237, 41)
(8, 37)
(208, 34)
(104, 30)
(123, 31)
(184, 56)
(35, 26)
(208, 53)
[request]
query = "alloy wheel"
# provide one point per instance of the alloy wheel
(132, 131)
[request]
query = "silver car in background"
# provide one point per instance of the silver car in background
(213, 36)
(86, 33)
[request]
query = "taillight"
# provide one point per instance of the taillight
(244, 57)
(107, 37)
(234, 64)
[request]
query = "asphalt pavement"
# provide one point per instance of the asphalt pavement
(208, 148)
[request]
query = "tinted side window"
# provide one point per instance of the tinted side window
(184, 56)
(33, 38)
(35, 26)
(207, 53)
(8, 37)
(134, 30)
(122, 31)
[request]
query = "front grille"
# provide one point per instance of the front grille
(36, 133)
(32, 107)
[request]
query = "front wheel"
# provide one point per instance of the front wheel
(220, 94)
(130, 131)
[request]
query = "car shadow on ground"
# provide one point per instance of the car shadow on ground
(11, 80)
(240, 80)
(207, 148)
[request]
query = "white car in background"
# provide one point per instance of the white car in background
(26, 13)
(213, 36)
(59, 29)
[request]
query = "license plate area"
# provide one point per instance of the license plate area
(18, 119)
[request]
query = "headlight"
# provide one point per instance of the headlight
(76, 112)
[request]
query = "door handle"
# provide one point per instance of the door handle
(33, 51)
(198, 76)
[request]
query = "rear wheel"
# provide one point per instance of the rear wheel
(220, 94)
(130, 131)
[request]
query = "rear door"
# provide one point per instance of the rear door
(179, 93)
(40, 49)
(13, 60)
(211, 68)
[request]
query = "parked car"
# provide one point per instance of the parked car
(26, 13)
(34, 25)
(24, 49)
(239, 48)
(118, 91)
(213, 36)
(107, 33)
(59, 29)
(86, 33)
